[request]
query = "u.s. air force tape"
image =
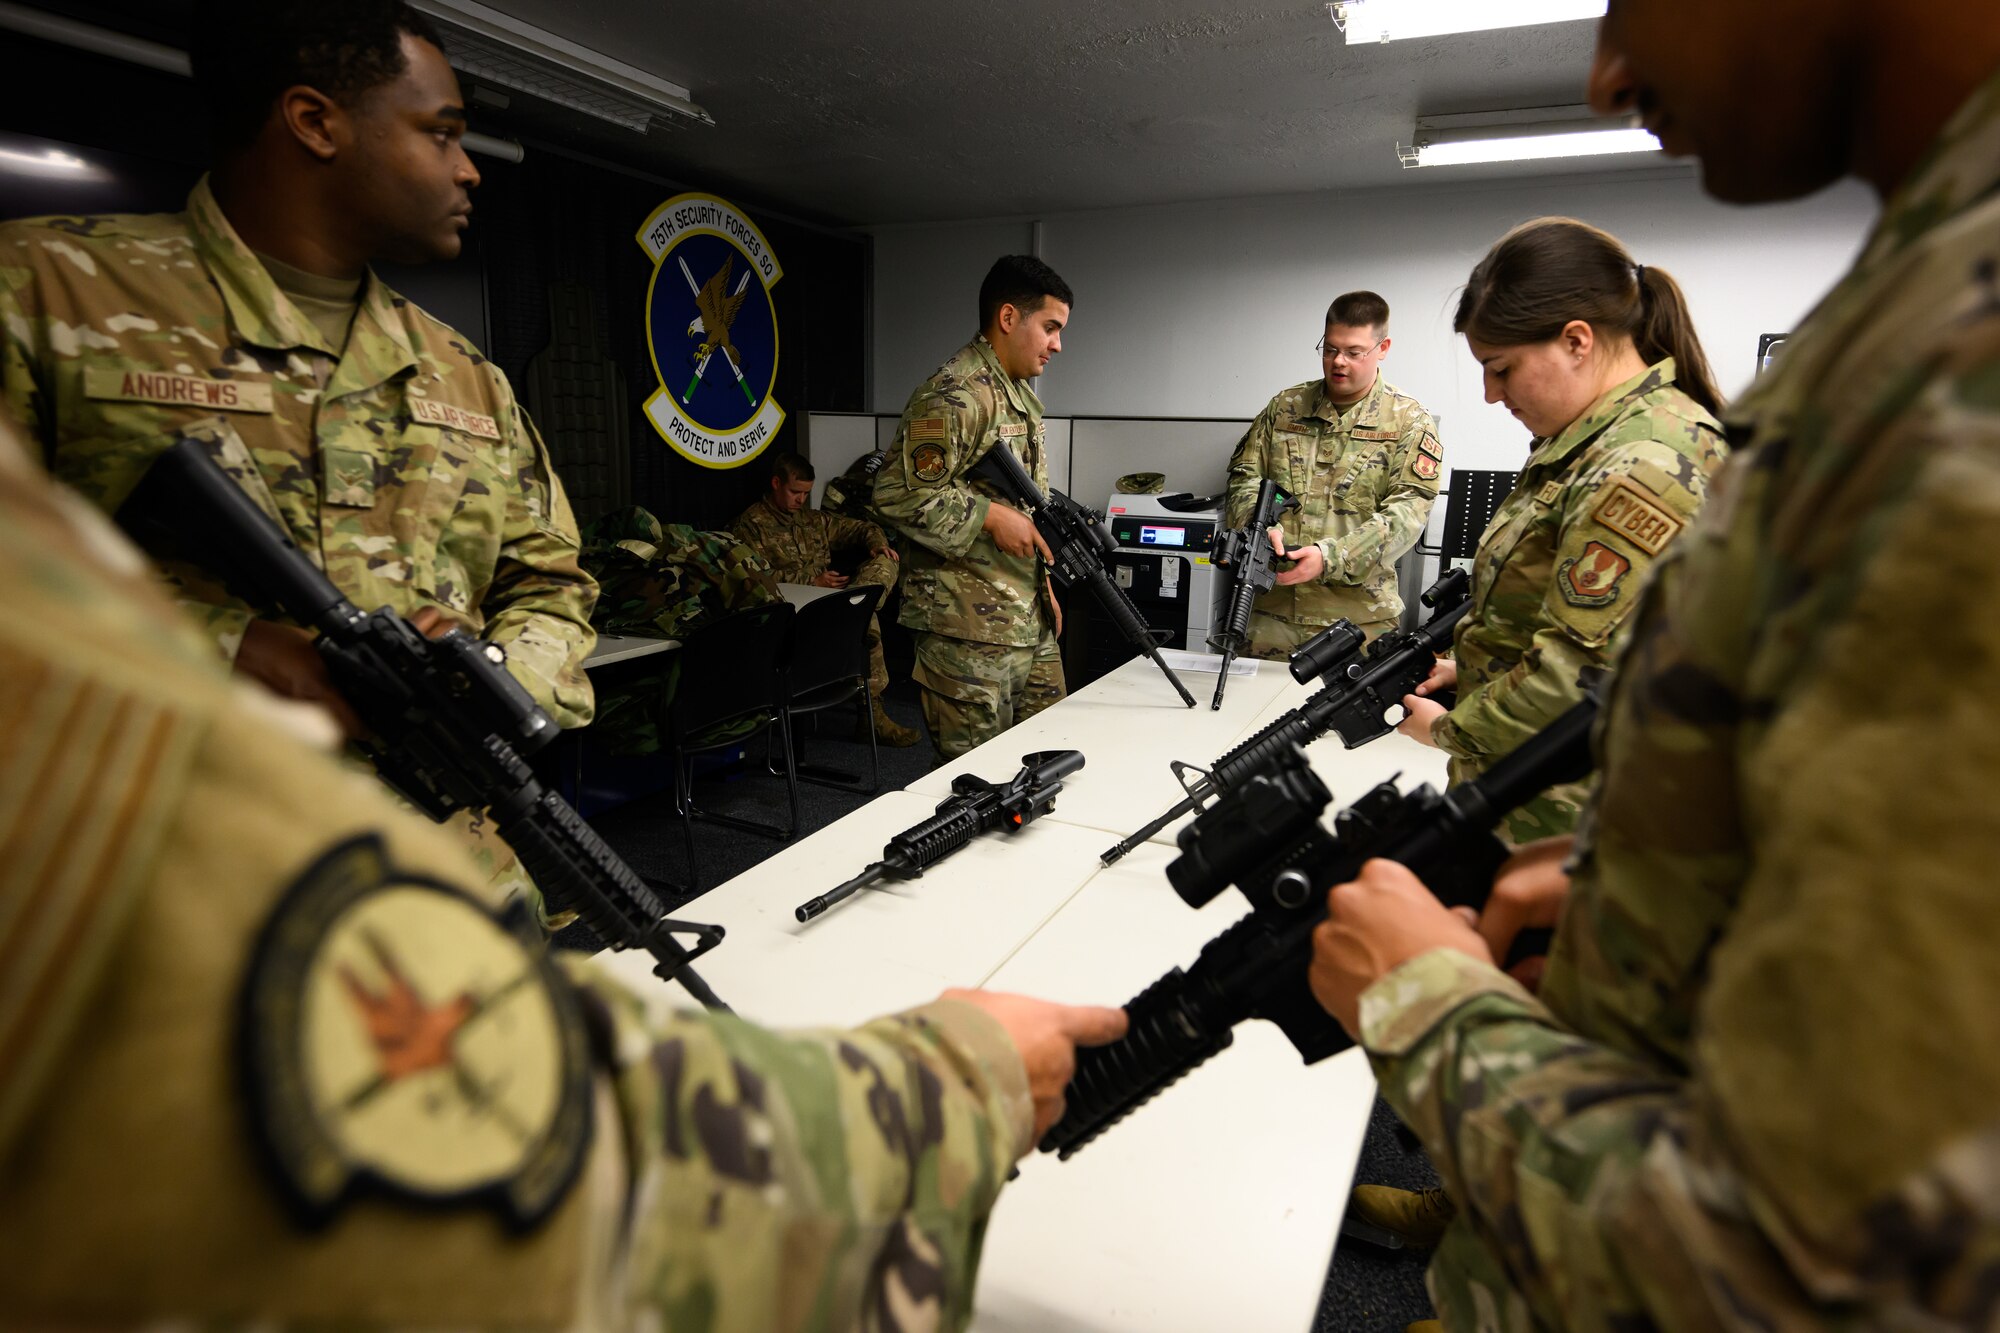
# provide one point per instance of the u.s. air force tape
(397, 1040)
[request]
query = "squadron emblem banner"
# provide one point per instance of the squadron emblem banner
(712, 330)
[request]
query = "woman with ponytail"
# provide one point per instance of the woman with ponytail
(1596, 355)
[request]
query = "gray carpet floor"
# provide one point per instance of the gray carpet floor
(1368, 1290)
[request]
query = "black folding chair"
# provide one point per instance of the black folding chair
(828, 667)
(729, 690)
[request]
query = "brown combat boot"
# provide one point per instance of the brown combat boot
(891, 732)
(1416, 1218)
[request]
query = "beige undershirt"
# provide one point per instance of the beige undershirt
(327, 303)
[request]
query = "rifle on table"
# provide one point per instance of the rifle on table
(1246, 554)
(1361, 685)
(974, 806)
(1079, 543)
(1267, 839)
(448, 728)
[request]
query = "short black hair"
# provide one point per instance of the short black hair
(1021, 281)
(1359, 310)
(791, 467)
(246, 52)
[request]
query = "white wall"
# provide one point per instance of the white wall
(1206, 310)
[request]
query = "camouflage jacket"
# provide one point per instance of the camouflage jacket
(1365, 477)
(801, 546)
(402, 464)
(153, 1154)
(1561, 567)
(1761, 1086)
(956, 582)
(663, 579)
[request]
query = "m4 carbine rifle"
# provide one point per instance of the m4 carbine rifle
(974, 806)
(1246, 554)
(447, 726)
(1079, 543)
(1361, 685)
(1266, 838)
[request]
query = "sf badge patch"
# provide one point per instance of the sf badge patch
(398, 1040)
(1592, 579)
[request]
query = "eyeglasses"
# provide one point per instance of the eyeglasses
(1329, 352)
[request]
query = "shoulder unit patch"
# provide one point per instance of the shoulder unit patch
(400, 1041)
(927, 461)
(1592, 578)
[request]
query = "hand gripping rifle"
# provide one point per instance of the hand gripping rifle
(974, 806)
(1360, 687)
(1267, 839)
(1079, 543)
(1246, 554)
(448, 728)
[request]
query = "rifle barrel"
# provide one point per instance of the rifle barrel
(813, 907)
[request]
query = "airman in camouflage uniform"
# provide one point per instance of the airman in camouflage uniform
(662, 580)
(801, 544)
(164, 844)
(1758, 1086)
(1559, 571)
(984, 620)
(1365, 476)
(399, 462)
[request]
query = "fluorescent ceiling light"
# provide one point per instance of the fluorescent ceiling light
(1367, 21)
(488, 44)
(1528, 147)
(1523, 136)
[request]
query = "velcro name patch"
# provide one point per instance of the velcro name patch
(1013, 430)
(926, 430)
(1631, 513)
(454, 418)
(169, 389)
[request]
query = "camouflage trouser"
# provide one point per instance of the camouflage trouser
(974, 691)
(883, 572)
(1276, 640)
(1470, 1289)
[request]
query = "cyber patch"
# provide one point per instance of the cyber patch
(1592, 578)
(397, 1040)
(1627, 510)
(927, 461)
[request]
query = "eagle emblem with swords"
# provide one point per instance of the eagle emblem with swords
(712, 329)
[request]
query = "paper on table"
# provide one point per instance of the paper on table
(1180, 659)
